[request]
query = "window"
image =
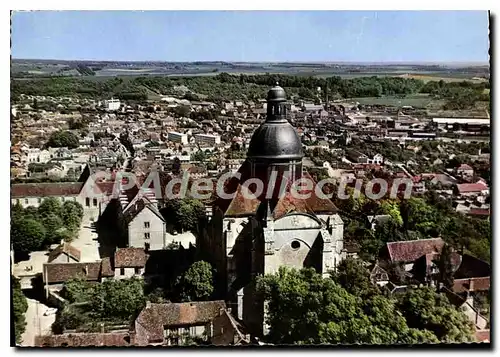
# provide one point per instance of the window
(137, 270)
(146, 224)
(146, 235)
(26, 201)
(146, 246)
(87, 202)
(39, 200)
(122, 271)
(94, 202)
(295, 244)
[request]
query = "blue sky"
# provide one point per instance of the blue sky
(326, 36)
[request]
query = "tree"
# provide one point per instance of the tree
(353, 276)
(53, 224)
(392, 208)
(445, 267)
(423, 308)
(120, 298)
(50, 206)
(20, 306)
(63, 139)
(17, 211)
(196, 284)
(305, 308)
(27, 234)
(72, 214)
(184, 214)
(77, 290)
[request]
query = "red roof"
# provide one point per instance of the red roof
(409, 251)
(479, 212)
(471, 284)
(46, 189)
(93, 339)
(471, 187)
(130, 258)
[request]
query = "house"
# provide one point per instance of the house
(173, 324)
(465, 170)
(377, 159)
(64, 253)
(32, 194)
(56, 274)
(379, 275)
(357, 157)
(144, 225)
(472, 189)
(129, 262)
(407, 252)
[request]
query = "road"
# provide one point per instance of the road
(36, 323)
(87, 241)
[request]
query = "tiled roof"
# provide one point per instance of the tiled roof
(409, 251)
(155, 317)
(46, 189)
(120, 339)
(61, 272)
(471, 284)
(64, 248)
(479, 212)
(130, 258)
(241, 206)
(471, 187)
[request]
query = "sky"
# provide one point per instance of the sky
(252, 36)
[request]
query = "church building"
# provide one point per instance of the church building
(247, 237)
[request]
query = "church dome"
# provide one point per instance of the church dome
(276, 138)
(276, 94)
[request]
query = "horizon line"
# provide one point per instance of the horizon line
(408, 62)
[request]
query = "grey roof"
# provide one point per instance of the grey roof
(276, 138)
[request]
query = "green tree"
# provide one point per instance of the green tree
(184, 214)
(77, 290)
(72, 214)
(445, 267)
(63, 139)
(196, 284)
(353, 276)
(305, 308)
(17, 211)
(20, 306)
(423, 308)
(392, 208)
(27, 234)
(120, 298)
(50, 206)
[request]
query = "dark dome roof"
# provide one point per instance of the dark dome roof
(276, 94)
(275, 140)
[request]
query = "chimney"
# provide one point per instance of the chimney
(148, 304)
(471, 284)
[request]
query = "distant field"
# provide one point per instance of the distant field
(439, 76)
(416, 101)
